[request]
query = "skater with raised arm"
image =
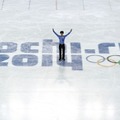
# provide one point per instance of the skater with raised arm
(61, 43)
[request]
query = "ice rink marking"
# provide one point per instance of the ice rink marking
(83, 3)
(3, 1)
(29, 5)
(109, 2)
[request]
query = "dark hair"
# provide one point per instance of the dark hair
(61, 32)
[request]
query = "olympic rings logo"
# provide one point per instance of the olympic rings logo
(112, 59)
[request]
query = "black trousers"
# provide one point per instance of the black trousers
(62, 51)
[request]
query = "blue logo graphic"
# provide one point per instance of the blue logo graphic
(30, 55)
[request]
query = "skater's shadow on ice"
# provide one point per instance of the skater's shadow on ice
(61, 77)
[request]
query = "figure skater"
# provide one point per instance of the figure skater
(61, 38)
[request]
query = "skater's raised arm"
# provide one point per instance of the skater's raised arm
(55, 32)
(68, 33)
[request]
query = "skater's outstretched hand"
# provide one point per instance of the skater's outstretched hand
(54, 32)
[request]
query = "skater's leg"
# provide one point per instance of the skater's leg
(63, 57)
(60, 51)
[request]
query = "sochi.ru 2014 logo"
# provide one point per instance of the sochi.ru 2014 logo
(27, 54)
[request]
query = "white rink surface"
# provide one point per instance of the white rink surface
(60, 93)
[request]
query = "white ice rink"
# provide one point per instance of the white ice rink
(34, 85)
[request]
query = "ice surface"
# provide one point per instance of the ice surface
(58, 92)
